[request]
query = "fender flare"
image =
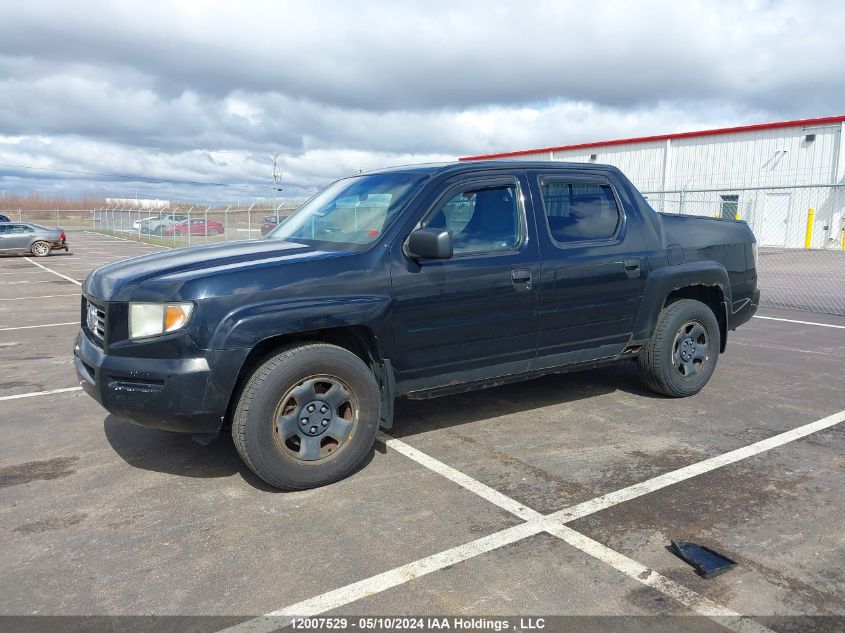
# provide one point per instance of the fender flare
(247, 326)
(663, 281)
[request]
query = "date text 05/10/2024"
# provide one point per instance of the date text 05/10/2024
(419, 623)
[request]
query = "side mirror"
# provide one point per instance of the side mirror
(430, 244)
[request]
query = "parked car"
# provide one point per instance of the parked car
(197, 226)
(4, 218)
(413, 282)
(141, 223)
(269, 223)
(25, 237)
(157, 226)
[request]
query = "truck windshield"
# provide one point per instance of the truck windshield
(350, 213)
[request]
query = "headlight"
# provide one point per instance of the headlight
(153, 319)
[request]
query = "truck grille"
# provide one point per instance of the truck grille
(95, 320)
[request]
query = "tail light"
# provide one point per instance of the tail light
(62, 236)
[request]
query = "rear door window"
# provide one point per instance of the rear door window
(579, 211)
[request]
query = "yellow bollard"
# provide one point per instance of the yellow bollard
(737, 216)
(808, 236)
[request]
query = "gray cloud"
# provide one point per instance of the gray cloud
(207, 90)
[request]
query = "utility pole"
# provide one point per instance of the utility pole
(276, 176)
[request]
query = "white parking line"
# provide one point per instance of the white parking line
(833, 353)
(465, 481)
(70, 279)
(642, 574)
(26, 281)
(768, 318)
(32, 394)
(553, 524)
(73, 294)
(87, 261)
(124, 239)
(30, 327)
(694, 470)
(384, 581)
(41, 272)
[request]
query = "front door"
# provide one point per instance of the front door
(15, 237)
(474, 316)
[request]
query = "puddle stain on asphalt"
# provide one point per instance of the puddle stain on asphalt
(50, 523)
(24, 473)
(12, 384)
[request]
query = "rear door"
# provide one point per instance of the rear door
(474, 316)
(593, 267)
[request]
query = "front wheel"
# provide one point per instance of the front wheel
(40, 249)
(681, 355)
(307, 416)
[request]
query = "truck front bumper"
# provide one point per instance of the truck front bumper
(175, 394)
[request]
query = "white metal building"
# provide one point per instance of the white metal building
(770, 175)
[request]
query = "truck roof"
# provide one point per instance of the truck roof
(476, 165)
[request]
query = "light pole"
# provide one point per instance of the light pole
(275, 178)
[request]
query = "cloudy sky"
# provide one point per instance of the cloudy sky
(160, 95)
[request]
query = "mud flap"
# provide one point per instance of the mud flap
(387, 384)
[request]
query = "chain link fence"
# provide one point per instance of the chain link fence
(187, 226)
(70, 219)
(800, 231)
(175, 226)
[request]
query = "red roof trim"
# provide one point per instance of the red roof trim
(665, 137)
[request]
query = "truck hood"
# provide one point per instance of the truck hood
(118, 281)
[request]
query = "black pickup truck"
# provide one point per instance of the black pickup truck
(416, 281)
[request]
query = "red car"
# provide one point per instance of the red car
(198, 226)
(269, 223)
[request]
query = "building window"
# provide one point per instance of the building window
(729, 207)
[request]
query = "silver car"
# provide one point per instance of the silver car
(156, 226)
(24, 237)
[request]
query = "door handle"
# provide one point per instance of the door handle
(632, 267)
(521, 279)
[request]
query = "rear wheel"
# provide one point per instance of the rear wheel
(40, 249)
(307, 417)
(681, 356)
(213, 233)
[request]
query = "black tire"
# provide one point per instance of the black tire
(270, 399)
(213, 233)
(682, 354)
